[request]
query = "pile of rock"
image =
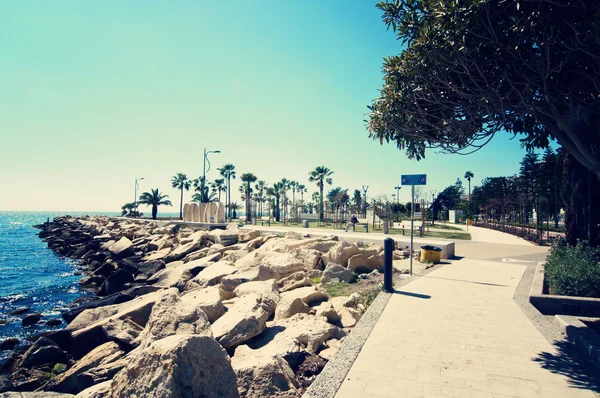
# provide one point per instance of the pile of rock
(183, 312)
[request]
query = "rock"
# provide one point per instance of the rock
(282, 264)
(310, 369)
(314, 273)
(246, 319)
(115, 283)
(234, 255)
(193, 237)
(20, 311)
(158, 255)
(328, 311)
(117, 298)
(225, 237)
(172, 316)
(292, 235)
(231, 281)
(247, 235)
(9, 343)
(310, 295)
(100, 356)
(101, 390)
(43, 351)
(36, 394)
(181, 251)
(294, 281)
(300, 332)
(333, 346)
(268, 288)
(123, 248)
(335, 273)
(361, 263)
(291, 306)
(212, 275)
(53, 322)
(340, 253)
(97, 326)
(254, 243)
(208, 300)
(179, 272)
(31, 319)
(197, 255)
(151, 267)
(349, 316)
(263, 376)
(178, 366)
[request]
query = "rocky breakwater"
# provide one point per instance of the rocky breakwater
(179, 312)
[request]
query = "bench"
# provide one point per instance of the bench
(264, 219)
(361, 221)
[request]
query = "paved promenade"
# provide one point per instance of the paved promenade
(457, 332)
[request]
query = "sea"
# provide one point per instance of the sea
(31, 275)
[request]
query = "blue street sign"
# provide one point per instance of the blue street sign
(414, 179)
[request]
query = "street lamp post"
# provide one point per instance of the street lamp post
(135, 189)
(398, 188)
(204, 171)
(433, 192)
(365, 188)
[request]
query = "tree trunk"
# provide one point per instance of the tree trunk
(581, 191)
(154, 211)
(276, 209)
(229, 197)
(248, 215)
(321, 203)
(181, 205)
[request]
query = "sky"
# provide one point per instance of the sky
(94, 94)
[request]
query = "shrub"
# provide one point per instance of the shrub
(573, 270)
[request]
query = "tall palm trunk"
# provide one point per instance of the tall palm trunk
(248, 216)
(321, 201)
(181, 205)
(154, 211)
(229, 196)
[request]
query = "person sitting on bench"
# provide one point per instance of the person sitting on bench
(353, 222)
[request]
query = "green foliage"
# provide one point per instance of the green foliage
(474, 68)
(367, 298)
(573, 271)
(337, 289)
(154, 198)
(315, 280)
(59, 368)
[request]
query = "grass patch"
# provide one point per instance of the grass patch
(367, 298)
(315, 280)
(444, 226)
(338, 289)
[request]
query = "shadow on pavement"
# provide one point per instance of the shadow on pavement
(416, 295)
(461, 280)
(580, 371)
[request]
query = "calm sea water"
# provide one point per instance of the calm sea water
(31, 275)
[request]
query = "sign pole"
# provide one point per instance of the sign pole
(412, 224)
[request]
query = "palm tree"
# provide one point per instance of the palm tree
(284, 185)
(468, 176)
(248, 179)
(234, 208)
(154, 199)
(228, 172)
(260, 186)
(276, 192)
(127, 209)
(219, 186)
(203, 194)
(320, 175)
(302, 189)
(180, 181)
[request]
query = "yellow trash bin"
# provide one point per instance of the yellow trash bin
(431, 254)
(469, 222)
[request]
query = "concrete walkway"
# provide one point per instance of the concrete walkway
(457, 332)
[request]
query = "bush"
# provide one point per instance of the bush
(573, 271)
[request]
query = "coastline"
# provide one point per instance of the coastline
(216, 281)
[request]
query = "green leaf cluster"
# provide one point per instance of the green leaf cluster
(573, 271)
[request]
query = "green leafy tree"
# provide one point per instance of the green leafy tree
(260, 187)
(321, 175)
(181, 182)
(468, 176)
(219, 186)
(128, 209)
(475, 68)
(248, 179)
(154, 198)
(357, 198)
(228, 172)
(235, 206)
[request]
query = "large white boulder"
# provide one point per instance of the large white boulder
(181, 251)
(366, 262)
(176, 367)
(244, 320)
(263, 376)
(212, 275)
(294, 281)
(310, 295)
(291, 306)
(231, 281)
(335, 273)
(208, 300)
(340, 253)
(170, 315)
(122, 248)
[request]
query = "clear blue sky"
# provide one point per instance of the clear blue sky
(93, 94)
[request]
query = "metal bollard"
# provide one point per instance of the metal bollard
(388, 253)
(403, 230)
